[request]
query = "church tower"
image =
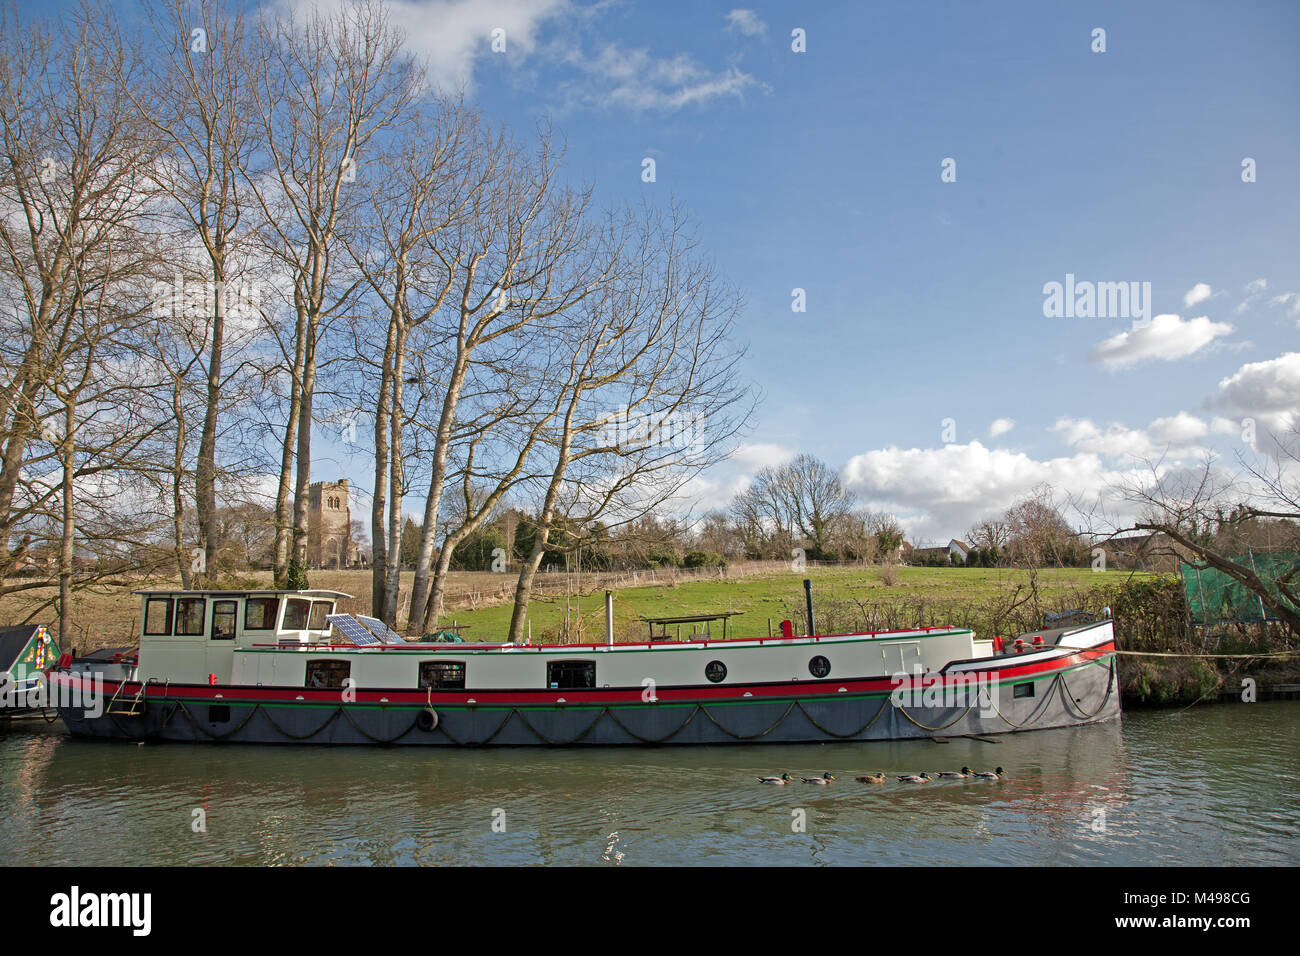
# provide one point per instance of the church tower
(329, 525)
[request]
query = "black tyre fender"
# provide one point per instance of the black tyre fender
(427, 720)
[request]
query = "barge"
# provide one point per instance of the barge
(272, 667)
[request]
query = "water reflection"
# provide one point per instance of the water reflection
(1211, 785)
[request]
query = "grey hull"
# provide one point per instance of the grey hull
(1082, 695)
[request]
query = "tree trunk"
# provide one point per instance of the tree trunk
(393, 569)
(66, 552)
(205, 472)
(379, 500)
(420, 586)
(178, 486)
(282, 517)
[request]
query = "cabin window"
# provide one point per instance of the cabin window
(716, 671)
(1023, 690)
(328, 674)
(259, 614)
(570, 675)
(295, 615)
(158, 616)
(319, 611)
(223, 620)
(442, 675)
(189, 616)
(819, 666)
(219, 713)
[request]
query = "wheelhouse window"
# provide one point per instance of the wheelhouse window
(295, 614)
(328, 674)
(442, 675)
(158, 616)
(224, 615)
(319, 611)
(189, 616)
(570, 675)
(259, 614)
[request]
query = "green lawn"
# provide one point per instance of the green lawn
(778, 596)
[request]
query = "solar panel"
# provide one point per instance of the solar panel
(351, 629)
(381, 630)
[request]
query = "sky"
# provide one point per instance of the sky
(923, 173)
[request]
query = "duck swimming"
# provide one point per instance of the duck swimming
(823, 780)
(780, 781)
(923, 777)
(990, 774)
(960, 775)
(872, 778)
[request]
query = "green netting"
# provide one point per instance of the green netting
(1213, 596)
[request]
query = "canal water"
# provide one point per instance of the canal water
(1213, 785)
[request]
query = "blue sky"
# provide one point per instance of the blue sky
(821, 171)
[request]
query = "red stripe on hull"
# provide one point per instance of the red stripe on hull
(227, 693)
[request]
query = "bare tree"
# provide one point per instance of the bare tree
(74, 198)
(330, 88)
(649, 396)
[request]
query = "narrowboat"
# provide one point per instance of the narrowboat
(26, 652)
(287, 667)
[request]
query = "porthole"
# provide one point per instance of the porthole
(1023, 690)
(819, 666)
(716, 671)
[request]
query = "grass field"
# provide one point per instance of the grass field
(839, 596)
(845, 598)
(762, 593)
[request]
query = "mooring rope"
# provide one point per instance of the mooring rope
(1269, 655)
(861, 730)
(648, 740)
(1072, 705)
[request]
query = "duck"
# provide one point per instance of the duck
(878, 777)
(914, 778)
(960, 775)
(823, 780)
(780, 781)
(990, 774)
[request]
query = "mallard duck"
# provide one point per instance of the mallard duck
(960, 775)
(872, 777)
(989, 774)
(780, 781)
(823, 780)
(923, 777)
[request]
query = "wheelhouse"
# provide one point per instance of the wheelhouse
(191, 636)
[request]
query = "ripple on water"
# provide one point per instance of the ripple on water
(1209, 785)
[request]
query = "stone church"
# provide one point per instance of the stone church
(329, 525)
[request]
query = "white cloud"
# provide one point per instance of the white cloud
(1268, 391)
(1001, 426)
(746, 22)
(940, 492)
(1178, 429)
(635, 79)
(1176, 435)
(1254, 289)
(762, 455)
(1292, 302)
(450, 35)
(1165, 338)
(1197, 293)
